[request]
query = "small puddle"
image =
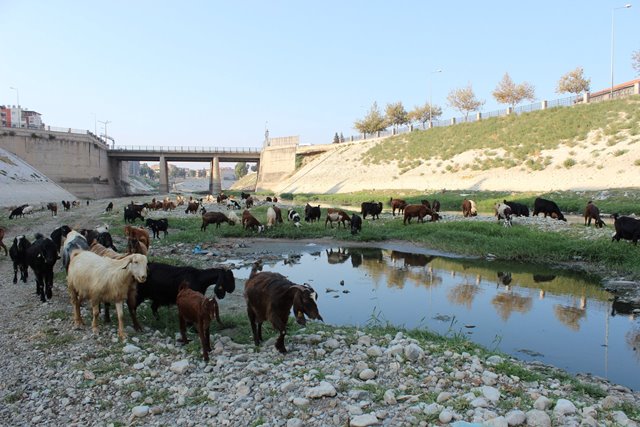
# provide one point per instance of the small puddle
(558, 317)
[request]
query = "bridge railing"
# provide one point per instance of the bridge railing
(166, 149)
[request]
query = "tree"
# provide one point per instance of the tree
(507, 92)
(573, 82)
(241, 169)
(336, 138)
(464, 100)
(635, 61)
(396, 115)
(373, 122)
(145, 170)
(425, 113)
(341, 137)
(254, 168)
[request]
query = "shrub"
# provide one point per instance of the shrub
(568, 163)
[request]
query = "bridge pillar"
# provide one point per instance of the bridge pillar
(164, 176)
(215, 183)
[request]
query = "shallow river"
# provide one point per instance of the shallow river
(534, 313)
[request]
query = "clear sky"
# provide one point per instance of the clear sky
(217, 72)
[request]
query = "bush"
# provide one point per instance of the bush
(569, 162)
(286, 196)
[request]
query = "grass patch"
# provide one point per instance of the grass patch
(512, 369)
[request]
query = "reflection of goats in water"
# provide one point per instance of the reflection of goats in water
(504, 278)
(571, 315)
(411, 260)
(338, 256)
(463, 294)
(507, 302)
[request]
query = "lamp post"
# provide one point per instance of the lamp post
(19, 109)
(430, 95)
(106, 136)
(626, 6)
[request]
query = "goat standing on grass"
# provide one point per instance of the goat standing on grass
(196, 308)
(270, 296)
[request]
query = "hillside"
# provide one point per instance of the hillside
(586, 147)
(24, 184)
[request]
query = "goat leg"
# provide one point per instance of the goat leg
(280, 343)
(131, 305)
(107, 316)
(96, 312)
(183, 329)
(203, 340)
(120, 312)
(216, 312)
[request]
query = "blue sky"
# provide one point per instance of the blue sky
(215, 73)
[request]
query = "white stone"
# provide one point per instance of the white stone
(433, 408)
(324, 389)
(364, 340)
(136, 395)
(489, 378)
(180, 367)
(542, 403)
(491, 393)
(395, 350)
(538, 418)
(130, 349)
(294, 422)
(564, 407)
(589, 411)
(390, 397)
(413, 352)
(364, 420)
(332, 343)
(609, 402)
(443, 397)
(479, 402)
(620, 418)
(496, 422)
(138, 366)
(354, 410)
(516, 417)
(300, 401)
(445, 416)
(140, 411)
(374, 351)
(494, 360)
(287, 386)
(367, 374)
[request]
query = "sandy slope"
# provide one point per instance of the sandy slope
(597, 166)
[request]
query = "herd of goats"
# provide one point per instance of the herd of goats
(95, 271)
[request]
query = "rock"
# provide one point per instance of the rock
(496, 422)
(367, 374)
(295, 422)
(180, 367)
(390, 397)
(374, 351)
(354, 410)
(445, 416)
(136, 395)
(538, 418)
(609, 402)
(130, 349)
(479, 402)
(489, 378)
(300, 401)
(620, 418)
(494, 360)
(138, 366)
(413, 352)
(564, 407)
(491, 393)
(364, 420)
(542, 403)
(324, 389)
(443, 397)
(140, 411)
(515, 417)
(332, 343)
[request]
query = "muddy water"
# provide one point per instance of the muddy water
(534, 313)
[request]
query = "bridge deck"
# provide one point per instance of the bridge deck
(185, 154)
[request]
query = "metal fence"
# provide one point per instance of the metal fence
(164, 149)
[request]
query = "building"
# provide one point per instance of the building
(15, 117)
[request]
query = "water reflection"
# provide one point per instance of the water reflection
(557, 316)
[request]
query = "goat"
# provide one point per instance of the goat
(356, 224)
(18, 254)
(28, 210)
(413, 211)
(249, 221)
(192, 207)
(135, 246)
(130, 214)
(233, 218)
(547, 207)
(196, 308)
(435, 206)
(66, 205)
(312, 213)
(371, 208)
(2, 232)
(278, 212)
(517, 209)
(338, 216)
(59, 234)
(17, 212)
(109, 207)
(73, 241)
(163, 281)
(158, 225)
(627, 228)
(41, 257)
(271, 217)
(216, 218)
(270, 296)
(293, 216)
(469, 208)
(139, 233)
(232, 204)
(53, 207)
(592, 212)
(503, 211)
(101, 279)
(398, 204)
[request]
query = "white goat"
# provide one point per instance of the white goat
(27, 210)
(102, 228)
(101, 279)
(271, 217)
(233, 217)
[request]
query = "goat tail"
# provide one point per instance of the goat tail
(38, 236)
(183, 285)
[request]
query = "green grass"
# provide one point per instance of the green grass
(523, 137)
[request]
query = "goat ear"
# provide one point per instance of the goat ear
(127, 264)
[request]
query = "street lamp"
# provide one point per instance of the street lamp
(626, 6)
(19, 109)
(106, 136)
(430, 95)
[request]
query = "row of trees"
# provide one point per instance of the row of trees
(464, 100)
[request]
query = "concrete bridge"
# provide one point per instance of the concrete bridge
(163, 155)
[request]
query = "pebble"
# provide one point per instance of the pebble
(324, 389)
(180, 367)
(130, 349)
(140, 411)
(367, 374)
(364, 420)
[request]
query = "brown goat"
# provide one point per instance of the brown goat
(469, 208)
(192, 207)
(338, 216)
(270, 296)
(196, 308)
(2, 231)
(398, 204)
(216, 218)
(135, 246)
(592, 212)
(53, 207)
(249, 221)
(419, 211)
(139, 233)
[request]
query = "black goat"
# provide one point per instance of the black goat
(17, 212)
(158, 225)
(312, 213)
(627, 228)
(59, 234)
(356, 224)
(18, 254)
(41, 257)
(270, 296)
(131, 214)
(163, 281)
